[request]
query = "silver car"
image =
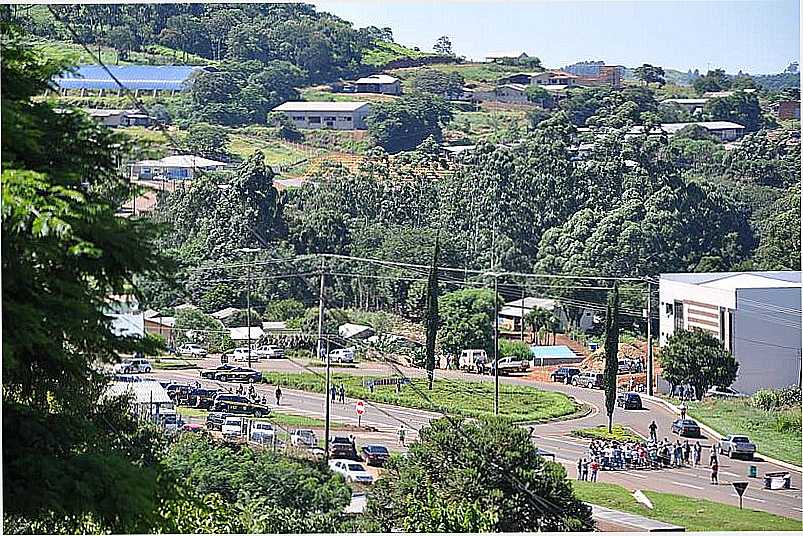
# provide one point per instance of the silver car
(737, 445)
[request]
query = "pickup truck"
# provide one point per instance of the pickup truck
(270, 351)
(508, 365)
(737, 445)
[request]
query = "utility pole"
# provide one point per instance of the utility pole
(248, 314)
(650, 379)
(521, 326)
(496, 344)
(326, 397)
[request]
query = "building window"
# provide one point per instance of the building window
(345, 118)
(298, 118)
(329, 118)
(678, 315)
(315, 119)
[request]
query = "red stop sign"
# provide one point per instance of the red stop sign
(360, 407)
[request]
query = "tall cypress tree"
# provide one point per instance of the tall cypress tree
(431, 318)
(611, 352)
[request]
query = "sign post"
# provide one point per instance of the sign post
(359, 408)
(740, 487)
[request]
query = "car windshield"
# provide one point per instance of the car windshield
(740, 439)
(689, 422)
(356, 467)
(377, 449)
(341, 440)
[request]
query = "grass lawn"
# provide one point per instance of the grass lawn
(276, 152)
(383, 52)
(484, 124)
(776, 433)
(619, 433)
(168, 363)
(694, 514)
(472, 72)
(277, 417)
(470, 399)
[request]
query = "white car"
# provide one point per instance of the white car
(232, 427)
(270, 351)
(241, 354)
(724, 392)
(737, 445)
(129, 366)
(303, 439)
(354, 472)
(263, 433)
(342, 355)
(191, 350)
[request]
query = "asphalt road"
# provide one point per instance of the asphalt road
(553, 437)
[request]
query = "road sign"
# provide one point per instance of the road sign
(740, 487)
(360, 407)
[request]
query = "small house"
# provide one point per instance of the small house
(690, 105)
(334, 115)
(178, 167)
(723, 130)
(379, 83)
(244, 334)
(120, 118)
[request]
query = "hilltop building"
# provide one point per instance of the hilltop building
(334, 115)
(379, 83)
(137, 78)
(181, 167)
(724, 130)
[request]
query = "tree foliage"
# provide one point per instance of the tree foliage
(650, 74)
(779, 242)
(467, 318)
(740, 108)
(447, 85)
(696, 358)
(611, 353)
(402, 124)
(207, 141)
(715, 80)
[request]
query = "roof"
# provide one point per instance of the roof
(182, 161)
(274, 326)
(555, 87)
(738, 280)
(514, 308)
(686, 101)
(672, 128)
(556, 74)
(377, 79)
(517, 87)
(98, 112)
(145, 77)
(225, 313)
(144, 392)
(716, 94)
(347, 331)
(320, 106)
(551, 351)
(457, 149)
(241, 334)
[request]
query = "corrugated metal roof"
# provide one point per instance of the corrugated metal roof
(241, 334)
(144, 392)
(144, 77)
(182, 161)
(378, 79)
(320, 106)
(551, 351)
(737, 280)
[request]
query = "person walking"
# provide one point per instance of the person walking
(333, 392)
(342, 394)
(278, 396)
(579, 468)
(698, 450)
(714, 464)
(653, 432)
(402, 434)
(594, 470)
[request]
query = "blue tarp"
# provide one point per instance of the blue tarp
(551, 351)
(143, 77)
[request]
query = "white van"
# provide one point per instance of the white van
(232, 427)
(342, 355)
(473, 360)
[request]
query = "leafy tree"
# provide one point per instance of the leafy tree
(611, 353)
(695, 132)
(517, 349)
(198, 327)
(283, 310)
(287, 129)
(219, 297)
(697, 358)
(332, 319)
(466, 476)
(743, 81)
(580, 104)
(431, 318)
(402, 124)
(760, 158)
(467, 318)
(443, 46)
(540, 318)
(207, 141)
(779, 242)
(742, 108)
(71, 457)
(536, 116)
(650, 74)
(439, 83)
(715, 80)
(538, 95)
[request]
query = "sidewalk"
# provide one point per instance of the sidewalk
(606, 517)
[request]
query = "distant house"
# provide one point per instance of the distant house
(512, 93)
(379, 83)
(120, 118)
(511, 314)
(334, 115)
(723, 130)
(181, 167)
(507, 58)
(225, 314)
(789, 109)
(690, 105)
(597, 74)
(721, 94)
(156, 324)
(147, 397)
(241, 335)
(554, 78)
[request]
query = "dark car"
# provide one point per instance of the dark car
(342, 447)
(564, 374)
(686, 428)
(239, 374)
(375, 454)
(629, 401)
(240, 405)
(214, 421)
(212, 373)
(202, 398)
(178, 392)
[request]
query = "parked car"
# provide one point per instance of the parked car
(232, 427)
(232, 373)
(201, 398)
(686, 428)
(263, 433)
(169, 420)
(214, 420)
(375, 454)
(239, 404)
(191, 350)
(724, 392)
(303, 439)
(241, 354)
(508, 365)
(629, 401)
(473, 360)
(130, 366)
(342, 355)
(270, 351)
(212, 373)
(342, 447)
(193, 427)
(352, 471)
(592, 380)
(564, 374)
(737, 445)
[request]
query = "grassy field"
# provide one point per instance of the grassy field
(382, 52)
(170, 363)
(154, 55)
(619, 433)
(776, 433)
(473, 73)
(277, 152)
(694, 514)
(484, 124)
(470, 399)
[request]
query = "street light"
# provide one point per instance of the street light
(248, 299)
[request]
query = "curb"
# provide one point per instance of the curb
(674, 409)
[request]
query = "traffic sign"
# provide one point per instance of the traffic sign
(740, 487)
(360, 407)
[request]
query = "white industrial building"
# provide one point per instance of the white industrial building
(334, 115)
(756, 315)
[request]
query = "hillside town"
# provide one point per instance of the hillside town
(266, 271)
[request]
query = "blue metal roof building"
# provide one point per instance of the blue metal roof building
(134, 77)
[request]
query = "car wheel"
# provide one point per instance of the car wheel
(258, 413)
(251, 379)
(147, 370)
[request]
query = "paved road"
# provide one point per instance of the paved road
(692, 482)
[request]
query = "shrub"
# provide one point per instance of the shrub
(772, 399)
(789, 422)
(517, 349)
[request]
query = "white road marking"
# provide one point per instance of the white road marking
(751, 498)
(685, 485)
(633, 474)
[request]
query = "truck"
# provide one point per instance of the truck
(473, 360)
(737, 445)
(510, 364)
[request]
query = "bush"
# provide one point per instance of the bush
(772, 399)
(789, 422)
(517, 349)
(618, 433)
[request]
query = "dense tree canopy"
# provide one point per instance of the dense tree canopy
(697, 358)
(402, 124)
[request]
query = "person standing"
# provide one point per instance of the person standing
(585, 469)
(594, 470)
(579, 468)
(686, 452)
(278, 396)
(402, 434)
(342, 394)
(682, 409)
(698, 449)
(653, 432)
(333, 392)
(714, 463)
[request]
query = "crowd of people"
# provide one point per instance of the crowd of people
(612, 455)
